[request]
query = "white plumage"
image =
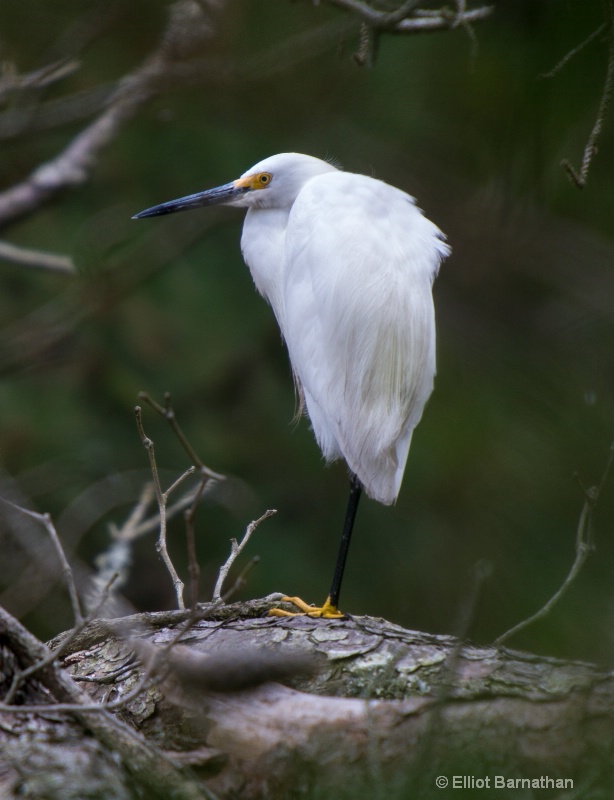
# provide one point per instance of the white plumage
(347, 263)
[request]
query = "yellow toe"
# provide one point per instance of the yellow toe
(327, 611)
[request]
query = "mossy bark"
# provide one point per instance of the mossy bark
(366, 709)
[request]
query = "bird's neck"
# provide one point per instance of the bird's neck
(263, 246)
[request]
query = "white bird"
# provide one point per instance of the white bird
(347, 263)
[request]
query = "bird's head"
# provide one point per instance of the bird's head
(272, 183)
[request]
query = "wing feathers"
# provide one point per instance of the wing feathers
(360, 259)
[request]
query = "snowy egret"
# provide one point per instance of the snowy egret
(347, 263)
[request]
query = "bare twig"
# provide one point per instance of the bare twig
(153, 522)
(128, 531)
(236, 550)
(568, 56)
(206, 475)
(579, 177)
(190, 519)
(241, 579)
(167, 411)
(584, 547)
(367, 46)
(401, 21)
(461, 19)
(176, 484)
(162, 498)
(46, 521)
(407, 18)
(590, 150)
(36, 259)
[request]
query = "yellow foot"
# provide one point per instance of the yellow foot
(327, 611)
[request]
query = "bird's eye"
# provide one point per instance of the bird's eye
(264, 178)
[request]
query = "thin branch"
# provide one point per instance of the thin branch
(461, 16)
(400, 21)
(235, 551)
(443, 20)
(153, 523)
(162, 499)
(568, 56)
(374, 18)
(189, 471)
(46, 521)
(167, 411)
(241, 579)
(590, 150)
(190, 519)
(584, 547)
(36, 259)
(367, 46)
(128, 531)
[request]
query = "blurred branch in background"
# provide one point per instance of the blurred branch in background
(114, 563)
(36, 258)
(408, 18)
(177, 61)
(12, 82)
(188, 27)
(584, 547)
(47, 523)
(579, 177)
(168, 413)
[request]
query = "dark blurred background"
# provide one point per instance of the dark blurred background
(525, 388)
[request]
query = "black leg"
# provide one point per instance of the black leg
(350, 516)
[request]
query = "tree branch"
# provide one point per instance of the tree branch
(584, 547)
(235, 551)
(590, 150)
(74, 164)
(36, 258)
(162, 498)
(508, 712)
(47, 523)
(402, 21)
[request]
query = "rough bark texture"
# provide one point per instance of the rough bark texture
(368, 709)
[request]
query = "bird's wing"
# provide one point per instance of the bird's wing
(360, 261)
